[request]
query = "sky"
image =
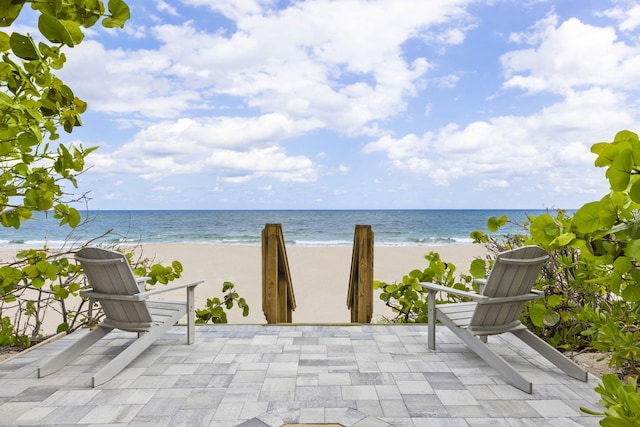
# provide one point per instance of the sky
(354, 104)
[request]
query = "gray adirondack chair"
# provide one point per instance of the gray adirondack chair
(495, 310)
(126, 307)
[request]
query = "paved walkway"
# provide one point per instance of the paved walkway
(258, 376)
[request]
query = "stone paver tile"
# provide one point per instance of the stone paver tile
(288, 369)
(334, 378)
(552, 408)
(370, 407)
(456, 397)
(439, 422)
(111, 414)
(488, 422)
(35, 414)
(359, 392)
(388, 392)
(35, 394)
(204, 398)
(394, 408)
(192, 417)
(163, 406)
(249, 376)
(311, 415)
(220, 380)
(155, 382)
(424, 405)
(393, 367)
(253, 409)
(414, 387)
(182, 369)
(72, 397)
(307, 379)
(319, 393)
(228, 411)
(509, 408)
(242, 392)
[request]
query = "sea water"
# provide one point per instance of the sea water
(243, 227)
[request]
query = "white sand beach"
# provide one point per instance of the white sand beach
(320, 275)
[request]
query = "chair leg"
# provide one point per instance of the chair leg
(431, 313)
(127, 355)
(75, 349)
(512, 376)
(551, 354)
(191, 329)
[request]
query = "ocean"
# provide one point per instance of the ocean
(243, 227)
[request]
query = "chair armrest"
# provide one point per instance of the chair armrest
(173, 287)
(432, 287)
(482, 299)
(89, 293)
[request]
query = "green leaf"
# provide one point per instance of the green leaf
(120, 13)
(5, 45)
(587, 218)
(551, 318)
(537, 313)
(632, 250)
(631, 292)
(478, 268)
(493, 224)
(23, 47)
(54, 30)
(554, 300)
(619, 173)
(9, 11)
(62, 327)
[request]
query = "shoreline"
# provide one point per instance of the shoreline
(319, 274)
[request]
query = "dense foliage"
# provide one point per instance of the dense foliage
(34, 104)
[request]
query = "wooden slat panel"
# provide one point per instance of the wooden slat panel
(114, 278)
(509, 279)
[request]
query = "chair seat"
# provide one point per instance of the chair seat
(160, 311)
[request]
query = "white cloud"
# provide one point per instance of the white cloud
(163, 6)
(339, 64)
(238, 149)
(627, 14)
(571, 56)
(557, 138)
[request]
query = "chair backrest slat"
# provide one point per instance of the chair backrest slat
(514, 273)
(109, 272)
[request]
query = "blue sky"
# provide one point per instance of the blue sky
(318, 104)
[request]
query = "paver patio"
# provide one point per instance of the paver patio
(259, 375)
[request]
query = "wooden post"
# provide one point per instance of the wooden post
(360, 293)
(278, 300)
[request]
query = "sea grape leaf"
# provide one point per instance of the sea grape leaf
(544, 229)
(9, 11)
(606, 153)
(537, 313)
(120, 13)
(619, 173)
(23, 47)
(478, 268)
(54, 31)
(632, 250)
(631, 292)
(587, 218)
